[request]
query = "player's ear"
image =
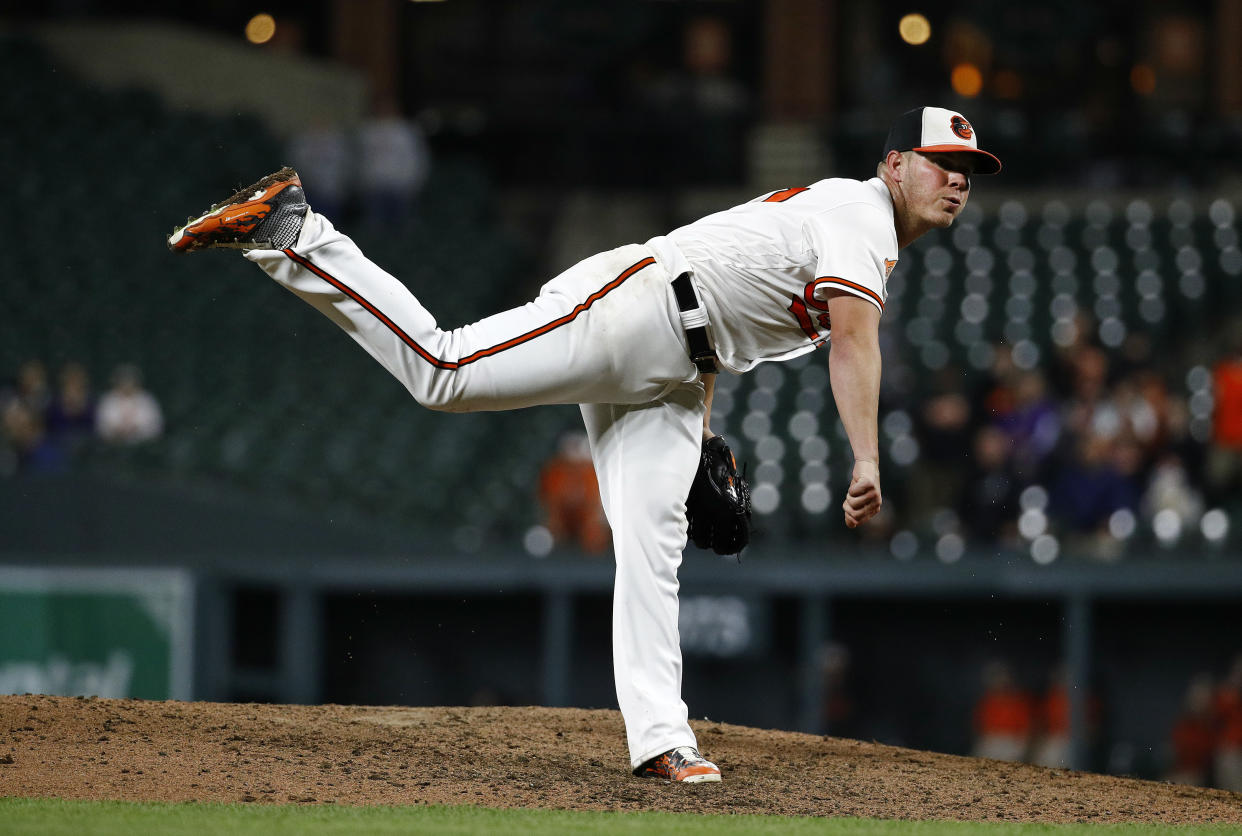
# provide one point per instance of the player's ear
(895, 164)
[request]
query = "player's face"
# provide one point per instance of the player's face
(938, 186)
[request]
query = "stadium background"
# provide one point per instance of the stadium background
(302, 532)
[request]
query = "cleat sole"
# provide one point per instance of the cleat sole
(710, 778)
(181, 241)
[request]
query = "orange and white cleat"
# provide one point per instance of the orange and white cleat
(265, 216)
(683, 764)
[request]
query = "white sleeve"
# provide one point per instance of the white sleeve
(855, 248)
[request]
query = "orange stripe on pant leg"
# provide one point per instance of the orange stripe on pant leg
(376, 312)
(485, 352)
(567, 318)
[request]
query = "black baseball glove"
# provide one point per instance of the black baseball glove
(718, 506)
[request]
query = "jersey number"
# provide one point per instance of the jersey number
(802, 309)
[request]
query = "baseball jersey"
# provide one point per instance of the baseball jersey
(764, 269)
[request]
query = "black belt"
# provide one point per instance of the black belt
(694, 321)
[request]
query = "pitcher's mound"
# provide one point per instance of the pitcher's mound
(135, 750)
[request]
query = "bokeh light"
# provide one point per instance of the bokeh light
(538, 541)
(1007, 85)
(1033, 498)
(904, 545)
(1122, 523)
(260, 28)
(950, 548)
(1032, 523)
(1167, 525)
(1143, 79)
(914, 28)
(816, 498)
(967, 80)
(1045, 549)
(765, 498)
(1214, 525)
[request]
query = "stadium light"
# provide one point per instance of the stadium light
(914, 29)
(967, 80)
(260, 28)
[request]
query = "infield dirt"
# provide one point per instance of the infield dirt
(134, 750)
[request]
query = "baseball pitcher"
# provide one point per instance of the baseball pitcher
(635, 337)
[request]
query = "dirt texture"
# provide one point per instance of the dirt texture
(137, 750)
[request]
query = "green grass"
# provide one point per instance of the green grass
(48, 817)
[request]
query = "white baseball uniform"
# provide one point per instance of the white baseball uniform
(607, 334)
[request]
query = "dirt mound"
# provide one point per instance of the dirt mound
(527, 757)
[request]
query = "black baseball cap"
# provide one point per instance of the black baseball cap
(936, 130)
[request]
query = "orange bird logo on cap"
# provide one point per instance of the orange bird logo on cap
(961, 127)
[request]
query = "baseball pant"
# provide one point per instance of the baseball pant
(604, 334)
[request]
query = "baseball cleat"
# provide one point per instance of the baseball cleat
(683, 764)
(265, 216)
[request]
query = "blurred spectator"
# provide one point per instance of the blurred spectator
(1062, 367)
(393, 164)
(1052, 744)
(1178, 434)
(1135, 355)
(1224, 467)
(1088, 388)
(838, 716)
(1194, 736)
(1228, 710)
(1004, 716)
(321, 156)
(1227, 419)
(32, 387)
(1170, 490)
(943, 428)
(1091, 486)
(708, 45)
(702, 103)
(989, 503)
(23, 406)
(998, 393)
(1144, 402)
(71, 415)
(569, 493)
(32, 451)
(128, 414)
(1032, 422)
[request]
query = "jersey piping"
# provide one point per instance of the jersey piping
(453, 365)
(871, 295)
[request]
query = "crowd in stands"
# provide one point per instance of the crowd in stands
(1096, 448)
(44, 429)
(1092, 446)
